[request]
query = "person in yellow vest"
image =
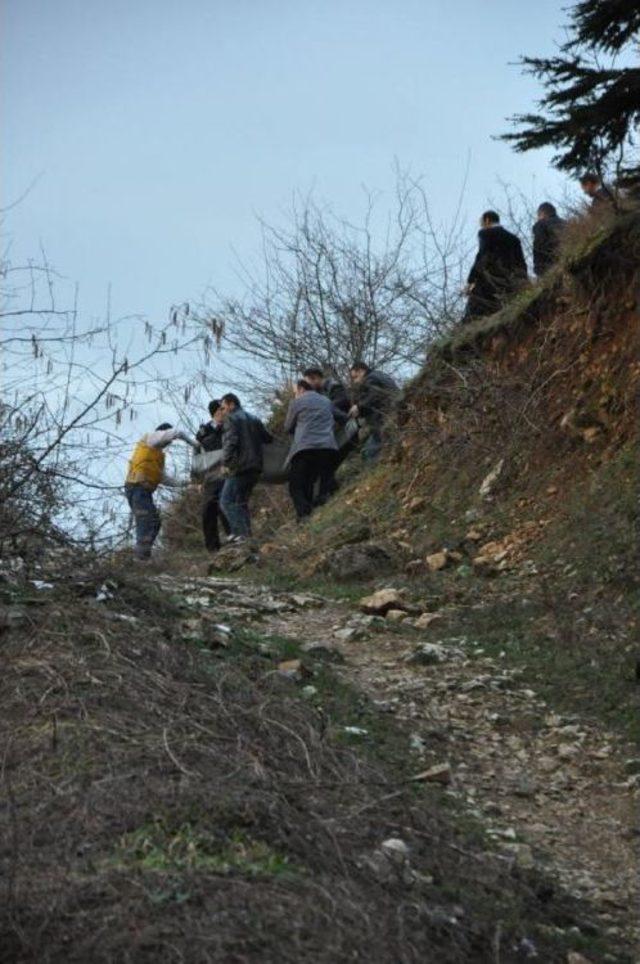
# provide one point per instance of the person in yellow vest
(146, 472)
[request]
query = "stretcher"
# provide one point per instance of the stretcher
(275, 469)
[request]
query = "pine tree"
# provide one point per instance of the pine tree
(590, 112)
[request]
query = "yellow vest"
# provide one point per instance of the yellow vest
(146, 466)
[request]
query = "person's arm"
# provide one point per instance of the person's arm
(230, 441)
(340, 415)
(265, 434)
(292, 416)
(477, 265)
(521, 262)
(366, 398)
(159, 440)
(539, 244)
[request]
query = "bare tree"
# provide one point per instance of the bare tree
(329, 291)
(69, 389)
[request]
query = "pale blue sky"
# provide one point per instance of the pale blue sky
(157, 129)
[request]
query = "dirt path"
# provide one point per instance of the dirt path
(549, 789)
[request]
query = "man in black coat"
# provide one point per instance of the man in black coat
(243, 436)
(498, 271)
(546, 238)
(600, 195)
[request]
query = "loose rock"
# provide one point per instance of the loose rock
(441, 773)
(379, 603)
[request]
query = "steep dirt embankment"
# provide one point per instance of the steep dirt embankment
(513, 474)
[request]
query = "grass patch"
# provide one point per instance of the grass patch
(157, 847)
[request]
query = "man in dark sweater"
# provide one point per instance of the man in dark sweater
(498, 271)
(547, 232)
(375, 394)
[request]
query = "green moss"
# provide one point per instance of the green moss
(157, 847)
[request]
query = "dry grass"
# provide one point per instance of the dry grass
(160, 803)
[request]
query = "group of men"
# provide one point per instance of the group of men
(500, 269)
(321, 404)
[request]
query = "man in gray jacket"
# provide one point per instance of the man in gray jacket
(312, 455)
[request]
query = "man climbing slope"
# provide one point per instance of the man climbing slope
(375, 394)
(499, 269)
(310, 419)
(243, 436)
(146, 472)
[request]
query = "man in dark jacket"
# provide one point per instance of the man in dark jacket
(601, 196)
(209, 435)
(329, 386)
(498, 270)
(243, 436)
(547, 232)
(310, 419)
(375, 394)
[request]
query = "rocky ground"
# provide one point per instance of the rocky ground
(548, 790)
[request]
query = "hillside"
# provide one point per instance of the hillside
(252, 764)
(514, 472)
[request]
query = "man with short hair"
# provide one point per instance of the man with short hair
(599, 193)
(546, 238)
(333, 389)
(310, 419)
(243, 436)
(498, 271)
(145, 473)
(376, 393)
(330, 386)
(209, 435)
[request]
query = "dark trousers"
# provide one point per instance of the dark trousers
(234, 500)
(307, 468)
(146, 518)
(211, 512)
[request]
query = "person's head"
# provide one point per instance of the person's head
(359, 371)
(546, 210)
(314, 376)
(163, 428)
(229, 403)
(215, 411)
(590, 183)
(302, 387)
(489, 219)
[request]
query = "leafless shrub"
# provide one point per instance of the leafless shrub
(70, 388)
(330, 291)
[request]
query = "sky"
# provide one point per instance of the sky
(150, 133)
(142, 138)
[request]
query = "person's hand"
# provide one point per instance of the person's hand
(225, 472)
(354, 411)
(466, 291)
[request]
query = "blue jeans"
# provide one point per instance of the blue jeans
(234, 501)
(146, 516)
